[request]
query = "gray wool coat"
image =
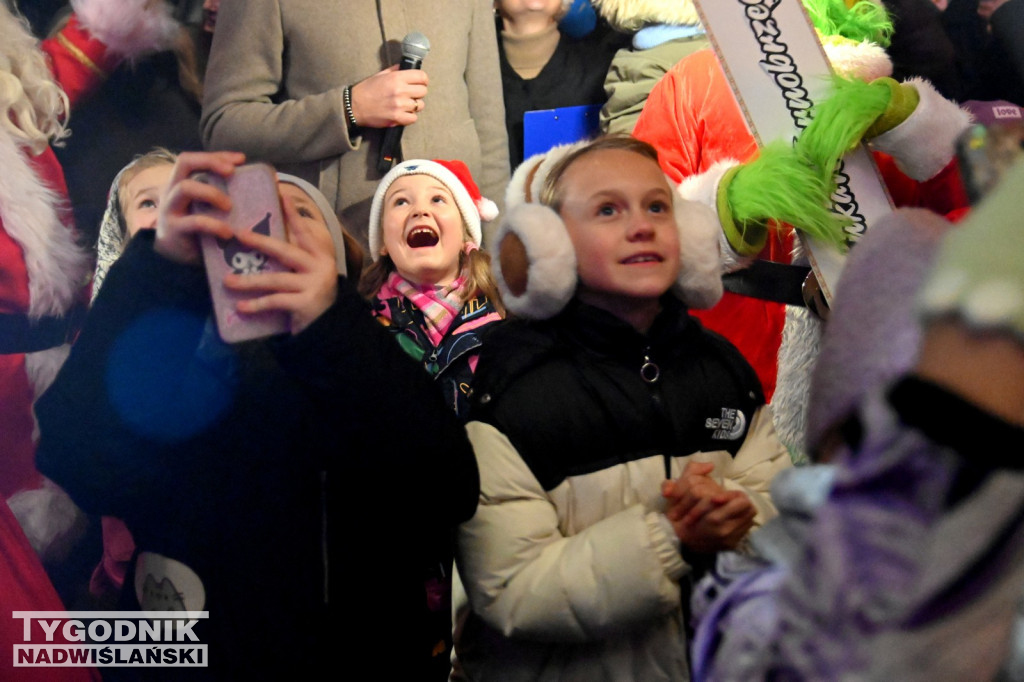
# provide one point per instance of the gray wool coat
(274, 85)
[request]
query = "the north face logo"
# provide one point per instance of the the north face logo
(730, 426)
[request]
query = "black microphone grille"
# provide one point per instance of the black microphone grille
(415, 45)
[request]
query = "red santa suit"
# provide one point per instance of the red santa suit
(44, 273)
(692, 118)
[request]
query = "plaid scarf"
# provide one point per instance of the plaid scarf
(438, 304)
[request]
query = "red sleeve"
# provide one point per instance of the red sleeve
(944, 194)
(25, 586)
(79, 61)
(691, 117)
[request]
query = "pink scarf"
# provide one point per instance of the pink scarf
(439, 304)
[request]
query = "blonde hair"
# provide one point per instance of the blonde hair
(33, 107)
(551, 196)
(159, 156)
(476, 266)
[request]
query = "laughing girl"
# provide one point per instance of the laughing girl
(430, 283)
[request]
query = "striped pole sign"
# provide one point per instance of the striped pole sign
(778, 69)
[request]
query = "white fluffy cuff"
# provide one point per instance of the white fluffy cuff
(130, 28)
(703, 189)
(925, 143)
(700, 278)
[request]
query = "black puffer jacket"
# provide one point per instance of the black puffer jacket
(262, 464)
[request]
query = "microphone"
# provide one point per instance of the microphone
(415, 47)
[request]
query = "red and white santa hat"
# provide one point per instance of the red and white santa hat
(454, 175)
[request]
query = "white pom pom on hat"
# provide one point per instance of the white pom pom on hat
(455, 176)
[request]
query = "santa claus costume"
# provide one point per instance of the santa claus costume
(44, 274)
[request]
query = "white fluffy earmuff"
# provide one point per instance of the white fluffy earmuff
(536, 267)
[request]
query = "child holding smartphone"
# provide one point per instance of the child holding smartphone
(620, 444)
(430, 284)
(238, 468)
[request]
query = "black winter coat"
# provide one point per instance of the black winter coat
(305, 479)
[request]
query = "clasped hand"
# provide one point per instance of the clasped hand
(706, 517)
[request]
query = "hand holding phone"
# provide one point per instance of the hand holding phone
(254, 207)
(310, 286)
(177, 226)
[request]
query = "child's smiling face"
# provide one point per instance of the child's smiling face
(617, 208)
(422, 229)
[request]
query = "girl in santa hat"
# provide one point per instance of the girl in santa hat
(430, 283)
(432, 287)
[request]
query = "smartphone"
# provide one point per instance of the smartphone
(256, 207)
(986, 153)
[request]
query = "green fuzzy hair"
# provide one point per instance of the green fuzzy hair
(864, 21)
(780, 185)
(839, 122)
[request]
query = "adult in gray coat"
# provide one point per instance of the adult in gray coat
(278, 71)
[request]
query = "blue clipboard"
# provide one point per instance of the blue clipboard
(546, 128)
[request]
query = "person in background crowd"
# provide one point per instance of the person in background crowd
(664, 31)
(311, 88)
(921, 47)
(986, 36)
(541, 68)
(153, 102)
(132, 204)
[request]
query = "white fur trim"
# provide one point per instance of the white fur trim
(632, 15)
(801, 339)
(467, 207)
(515, 193)
(700, 278)
(51, 521)
(925, 142)
(703, 188)
(42, 366)
(864, 61)
(130, 28)
(551, 273)
(57, 267)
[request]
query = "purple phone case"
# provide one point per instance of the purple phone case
(255, 207)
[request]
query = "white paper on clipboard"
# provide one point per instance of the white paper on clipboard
(777, 69)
